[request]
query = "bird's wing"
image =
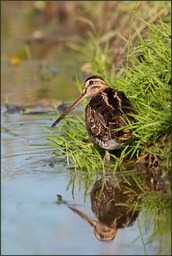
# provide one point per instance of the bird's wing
(117, 101)
(107, 112)
(97, 122)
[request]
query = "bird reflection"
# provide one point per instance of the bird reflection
(111, 201)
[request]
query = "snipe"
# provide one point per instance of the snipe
(107, 111)
(111, 206)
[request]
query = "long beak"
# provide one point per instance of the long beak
(84, 216)
(101, 231)
(74, 104)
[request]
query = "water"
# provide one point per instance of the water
(32, 223)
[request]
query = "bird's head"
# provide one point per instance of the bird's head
(102, 231)
(92, 86)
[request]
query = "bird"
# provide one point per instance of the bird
(106, 114)
(110, 205)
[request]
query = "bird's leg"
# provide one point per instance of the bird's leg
(106, 156)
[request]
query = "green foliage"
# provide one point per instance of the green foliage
(146, 82)
(75, 145)
(155, 221)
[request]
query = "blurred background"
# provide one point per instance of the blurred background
(52, 25)
(65, 37)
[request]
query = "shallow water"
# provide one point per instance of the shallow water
(32, 223)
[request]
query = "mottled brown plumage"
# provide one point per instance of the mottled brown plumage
(108, 110)
(112, 206)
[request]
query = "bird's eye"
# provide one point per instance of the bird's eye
(102, 236)
(91, 82)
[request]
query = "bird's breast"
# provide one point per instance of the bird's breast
(104, 114)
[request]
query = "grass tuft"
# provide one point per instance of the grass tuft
(145, 81)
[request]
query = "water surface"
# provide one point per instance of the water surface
(32, 222)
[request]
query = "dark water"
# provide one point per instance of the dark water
(32, 223)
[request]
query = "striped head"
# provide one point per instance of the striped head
(92, 86)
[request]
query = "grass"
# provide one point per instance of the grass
(146, 80)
